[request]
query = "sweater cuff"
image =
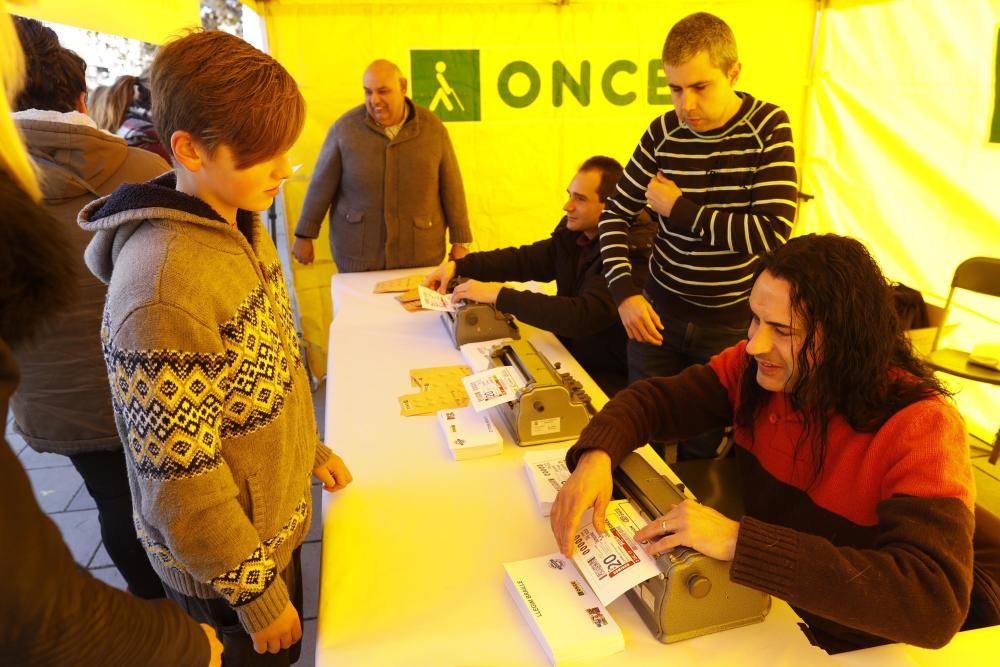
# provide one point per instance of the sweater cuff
(307, 229)
(683, 214)
(623, 288)
(605, 437)
(256, 615)
(507, 301)
(323, 454)
(765, 557)
(459, 234)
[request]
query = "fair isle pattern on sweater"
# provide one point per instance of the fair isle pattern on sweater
(739, 190)
(275, 280)
(171, 432)
(259, 383)
(249, 579)
(246, 581)
(175, 431)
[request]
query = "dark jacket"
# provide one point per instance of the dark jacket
(582, 313)
(51, 611)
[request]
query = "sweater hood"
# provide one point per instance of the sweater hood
(115, 218)
(76, 157)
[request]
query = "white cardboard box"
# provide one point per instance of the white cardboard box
(469, 434)
(567, 618)
(547, 473)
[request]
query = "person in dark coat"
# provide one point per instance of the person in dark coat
(581, 313)
(52, 612)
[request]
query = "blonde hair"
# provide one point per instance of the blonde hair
(13, 157)
(109, 106)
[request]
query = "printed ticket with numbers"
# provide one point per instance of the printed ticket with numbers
(614, 562)
(493, 387)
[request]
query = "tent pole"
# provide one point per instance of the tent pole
(821, 6)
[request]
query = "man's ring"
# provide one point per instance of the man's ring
(663, 525)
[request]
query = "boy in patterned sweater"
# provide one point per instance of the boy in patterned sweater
(209, 390)
(718, 173)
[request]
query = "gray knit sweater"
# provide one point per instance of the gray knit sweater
(210, 395)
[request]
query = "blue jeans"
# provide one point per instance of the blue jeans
(684, 344)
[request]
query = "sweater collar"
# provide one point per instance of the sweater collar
(162, 193)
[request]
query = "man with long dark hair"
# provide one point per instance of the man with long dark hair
(858, 487)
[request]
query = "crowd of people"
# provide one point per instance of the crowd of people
(133, 260)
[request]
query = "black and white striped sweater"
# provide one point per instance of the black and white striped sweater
(739, 189)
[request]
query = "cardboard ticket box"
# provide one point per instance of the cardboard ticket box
(469, 434)
(565, 616)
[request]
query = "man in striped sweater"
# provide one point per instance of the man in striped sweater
(718, 173)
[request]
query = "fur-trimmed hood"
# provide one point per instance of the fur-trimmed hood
(115, 218)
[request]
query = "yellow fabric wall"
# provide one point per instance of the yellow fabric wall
(898, 151)
(516, 162)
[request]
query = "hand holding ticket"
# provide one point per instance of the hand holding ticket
(492, 387)
(614, 562)
(432, 300)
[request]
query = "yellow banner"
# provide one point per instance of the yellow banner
(554, 86)
(153, 22)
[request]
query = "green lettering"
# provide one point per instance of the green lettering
(612, 95)
(995, 129)
(657, 80)
(503, 84)
(561, 77)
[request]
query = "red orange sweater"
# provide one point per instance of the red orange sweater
(878, 549)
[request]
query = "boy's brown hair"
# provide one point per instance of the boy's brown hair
(224, 91)
(701, 32)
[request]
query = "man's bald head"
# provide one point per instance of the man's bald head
(385, 92)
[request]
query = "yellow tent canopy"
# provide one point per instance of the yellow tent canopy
(153, 22)
(893, 105)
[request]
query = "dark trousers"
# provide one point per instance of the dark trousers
(237, 645)
(104, 474)
(684, 344)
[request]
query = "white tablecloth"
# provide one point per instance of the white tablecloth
(413, 549)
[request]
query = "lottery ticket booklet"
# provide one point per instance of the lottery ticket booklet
(569, 616)
(547, 472)
(566, 617)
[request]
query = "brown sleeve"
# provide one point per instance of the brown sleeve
(663, 408)
(55, 613)
(911, 586)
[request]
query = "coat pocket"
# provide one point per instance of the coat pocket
(423, 222)
(347, 236)
(258, 508)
